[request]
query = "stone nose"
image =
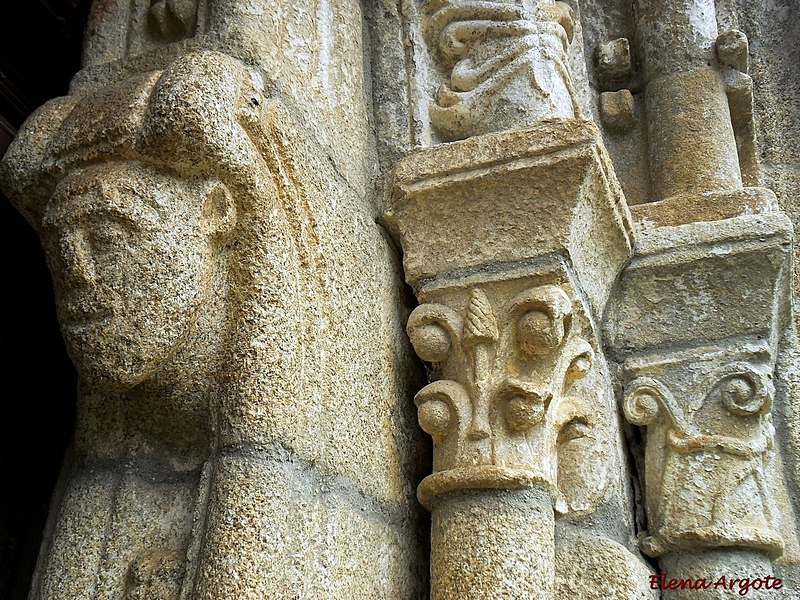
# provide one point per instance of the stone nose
(76, 258)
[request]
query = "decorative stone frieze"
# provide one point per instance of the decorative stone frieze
(512, 242)
(505, 64)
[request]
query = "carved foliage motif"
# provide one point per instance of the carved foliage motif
(510, 373)
(503, 59)
(707, 461)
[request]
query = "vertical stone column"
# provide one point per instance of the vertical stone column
(503, 64)
(233, 310)
(512, 242)
(695, 84)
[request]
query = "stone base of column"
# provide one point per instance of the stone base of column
(718, 568)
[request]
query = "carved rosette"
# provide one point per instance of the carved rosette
(505, 64)
(508, 398)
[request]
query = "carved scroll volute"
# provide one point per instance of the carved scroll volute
(706, 469)
(506, 64)
(512, 401)
(537, 323)
(443, 406)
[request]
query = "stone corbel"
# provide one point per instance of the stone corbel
(511, 242)
(695, 325)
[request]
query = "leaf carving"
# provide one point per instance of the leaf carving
(479, 326)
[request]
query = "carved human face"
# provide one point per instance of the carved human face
(129, 249)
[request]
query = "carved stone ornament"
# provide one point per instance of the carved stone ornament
(704, 391)
(521, 409)
(507, 407)
(200, 277)
(506, 64)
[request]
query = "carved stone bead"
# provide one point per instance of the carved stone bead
(739, 396)
(431, 342)
(523, 413)
(434, 417)
(538, 334)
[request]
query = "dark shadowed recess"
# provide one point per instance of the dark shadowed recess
(40, 45)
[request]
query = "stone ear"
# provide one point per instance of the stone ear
(219, 210)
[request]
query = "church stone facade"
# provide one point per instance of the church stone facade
(459, 299)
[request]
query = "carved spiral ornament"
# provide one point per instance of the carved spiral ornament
(434, 417)
(544, 318)
(433, 328)
(431, 342)
(642, 403)
(538, 333)
(740, 397)
(440, 405)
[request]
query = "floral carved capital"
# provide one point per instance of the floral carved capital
(508, 398)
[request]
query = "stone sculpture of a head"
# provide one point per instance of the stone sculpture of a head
(130, 190)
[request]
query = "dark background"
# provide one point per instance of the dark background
(40, 47)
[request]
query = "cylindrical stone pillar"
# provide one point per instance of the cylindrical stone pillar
(492, 544)
(690, 135)
(718, 573)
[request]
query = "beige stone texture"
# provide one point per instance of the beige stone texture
(311, 52)
(511, 242)
(604, 382)
(704, 390)
(235, 355)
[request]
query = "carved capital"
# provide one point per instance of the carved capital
(695, 323)
(710, 481)
(505, 64)
(506, 397)
(512, 248)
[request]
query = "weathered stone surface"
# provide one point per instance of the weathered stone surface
(205, 198)
(311, 54)
(511, 242)
(221, 329)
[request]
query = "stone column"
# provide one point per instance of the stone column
(504, 64)
(512, 242)
(233, 310)
(695, 324)
(695, 84)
